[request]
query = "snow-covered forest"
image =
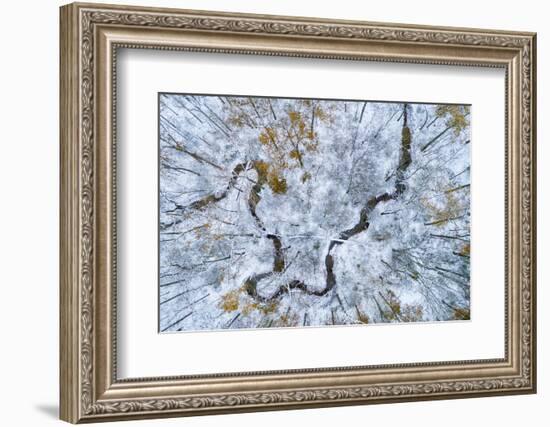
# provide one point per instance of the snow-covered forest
(280, 212)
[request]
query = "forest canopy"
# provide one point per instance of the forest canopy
(278, 212)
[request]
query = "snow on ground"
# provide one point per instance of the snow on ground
(257, 195)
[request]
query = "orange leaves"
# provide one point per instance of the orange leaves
(237, 299)
(298, 129)
(286, 140)
(322, 115)
(295, 117)
(268, 136)
(295, 154)
(311, 147)
(288, 319)
(270, 174)
(263, 308)
(270, 307)
(362, 317)
(394, 304)
(277, 183)
(262, 168)
(264, 139)
(446, 209)
(401, 312)
(457, 116)
(230, 301)
(249, 308)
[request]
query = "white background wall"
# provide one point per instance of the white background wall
(29, 171)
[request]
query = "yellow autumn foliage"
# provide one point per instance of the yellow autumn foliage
(362, 317)
(262, 168)
(230, 301)
(321, 114)
(269, 135)
(457, 116)
(461, 314)
(295, 154)
(264, 308)
(450, 208)
(249, 308)
(289, 319)
(277, 183)
(394, 305)
(269, 307)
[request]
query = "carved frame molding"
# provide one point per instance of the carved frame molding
(90, 36)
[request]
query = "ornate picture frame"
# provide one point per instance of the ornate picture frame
(91, 34)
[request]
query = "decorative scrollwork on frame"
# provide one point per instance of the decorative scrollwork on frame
(324, 395)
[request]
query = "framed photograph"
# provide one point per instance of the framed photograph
(266, 212)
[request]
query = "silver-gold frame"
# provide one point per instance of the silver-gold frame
(90, 37)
